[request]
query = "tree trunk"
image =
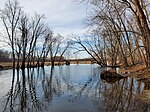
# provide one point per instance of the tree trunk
(145, 31)
(52, 63)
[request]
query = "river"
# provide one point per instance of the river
(73, 88)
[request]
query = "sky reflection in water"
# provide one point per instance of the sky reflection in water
(74, 88)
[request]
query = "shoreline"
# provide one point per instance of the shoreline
(138, 71)
(9, 65)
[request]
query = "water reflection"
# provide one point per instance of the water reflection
(22, 95)
(122, 96)
(75, 88)
(146, 92)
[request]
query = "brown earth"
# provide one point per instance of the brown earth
(138, 71)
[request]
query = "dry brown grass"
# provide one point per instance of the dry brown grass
(138, 71)
(6, 64)
(10, 64)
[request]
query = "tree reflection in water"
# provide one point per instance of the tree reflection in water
(22, 95)
(34, 90)
(122, 96)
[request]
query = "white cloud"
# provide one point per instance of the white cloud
(65, 16)
(62, 15)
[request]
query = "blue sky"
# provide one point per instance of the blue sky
(64, 16)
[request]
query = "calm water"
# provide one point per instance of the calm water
(74, 88)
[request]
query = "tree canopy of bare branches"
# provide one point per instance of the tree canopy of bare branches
(122, 29)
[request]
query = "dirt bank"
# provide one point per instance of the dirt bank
(138, 71)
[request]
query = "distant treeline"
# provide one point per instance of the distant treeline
(5, 56)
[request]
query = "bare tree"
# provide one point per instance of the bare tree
(142, 21)
(66, 45)
(29, 32)
(37, 30)
(54, 45)
(91, 47)
(44, 51)
(10, 16)
(113, 21)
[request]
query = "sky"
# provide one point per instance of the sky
(64, 16)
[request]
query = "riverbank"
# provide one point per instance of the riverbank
(9, 65)
(6, 65)
(138, 71)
